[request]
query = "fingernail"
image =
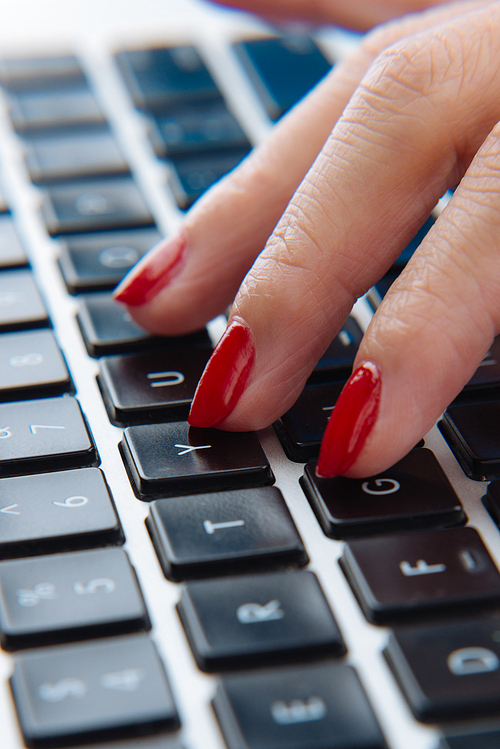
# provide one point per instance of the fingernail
(351, 422)
(152, 273)
(224, 378)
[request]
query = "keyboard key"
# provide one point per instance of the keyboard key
(258, 619)
(31, 365)
(94, 205)
(488, 372)
(200, 535)
(450, 671)
(192, 175)
(145, 388)
(35, 73)
(72, 153)
(52, 512)
(158, 78)
(68, 597)
(55, 107)
(481, 740)
(413, 494)
(412, 574)
(21, 305)
(471, 430)
(282, 69)
(377, 292)
(99, 261)
(44, 435)
(107, 328)
(491, 501)
(173, 459)
(336, 363)
(93, 691)
(301, 428)
(203, 126)
(11, 252)
(306, 707)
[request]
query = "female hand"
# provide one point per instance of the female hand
(356, 14)
(413, 110)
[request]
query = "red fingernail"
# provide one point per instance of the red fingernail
(351, 422)
(152, 273)
(224, 378)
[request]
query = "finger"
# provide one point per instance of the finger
(408, 133)
(432, 330)
(189, 279)
(357, 14)
(192, 277)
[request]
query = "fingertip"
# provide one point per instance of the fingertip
(153, 273)
(351, 422)
(225, 377)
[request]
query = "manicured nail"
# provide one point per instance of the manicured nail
(224, 378)
(152, 273)
(351, 422)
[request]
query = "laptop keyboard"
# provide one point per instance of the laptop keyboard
(171, 588)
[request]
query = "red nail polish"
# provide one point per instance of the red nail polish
(351, 421)
(152, 273)
(224, 378)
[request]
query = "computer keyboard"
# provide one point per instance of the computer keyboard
(163, 587)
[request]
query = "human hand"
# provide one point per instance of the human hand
(356, 14)
(413, 110)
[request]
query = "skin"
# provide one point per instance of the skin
(346, 179)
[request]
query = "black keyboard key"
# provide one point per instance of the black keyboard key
(173, 459)
(206, 534)
(55, 107)
(480, 740)
(21, 305)
(377, 292)
(414, 243)
(450, 671)
(35, 73)
(11, 251)
(107, 328)
(31, 365)
(283, 69)
(99, 261)
(336, 363)
(192, 175)
(301, 428)
(471, 430)
(145, 388)
(491, 501)
(93, 691)
(254, 620)
(158, 78)
(52, 512)
(413, 494)
(70, 154)
(306, 707)
(203, 126)
(93, 205)
(488, 372)
(68, 597)
(410, 575)
(44, 435)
